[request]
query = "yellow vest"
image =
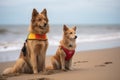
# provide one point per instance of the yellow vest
(33, 36)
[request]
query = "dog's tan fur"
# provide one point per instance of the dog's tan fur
(69, 42)
(34, 60)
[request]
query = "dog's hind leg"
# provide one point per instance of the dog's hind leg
(55, 63)
(16, 68)
(19, 65)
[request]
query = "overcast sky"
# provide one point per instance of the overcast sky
(61, 11)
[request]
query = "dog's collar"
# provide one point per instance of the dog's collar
(69, 53)
(33, 36)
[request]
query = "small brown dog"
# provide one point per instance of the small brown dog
(32, 56)
(63, 57)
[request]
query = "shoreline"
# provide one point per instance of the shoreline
(6, 56)
(86, 65)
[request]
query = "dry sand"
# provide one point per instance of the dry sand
(87, 65)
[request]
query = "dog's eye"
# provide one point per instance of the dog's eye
(33, 20)
(44, 18)
(70, 32)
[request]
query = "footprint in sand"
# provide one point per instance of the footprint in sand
(41, 79)
(103, 65)
(107, 62)
(80, 62)
(2, 77)
(100, 65)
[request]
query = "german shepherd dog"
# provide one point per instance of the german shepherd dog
(32, 56)
(63, 58)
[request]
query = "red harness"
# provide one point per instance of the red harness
(69, 53)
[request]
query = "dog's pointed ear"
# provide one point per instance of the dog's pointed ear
(44, 12)
(65, 28)
(74, 28)
(34, 13)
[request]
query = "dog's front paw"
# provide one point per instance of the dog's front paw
(35, 72)
(70, 69)
(63, 69)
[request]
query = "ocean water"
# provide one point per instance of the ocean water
(90, 37)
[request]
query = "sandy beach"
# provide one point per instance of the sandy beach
(86, 65)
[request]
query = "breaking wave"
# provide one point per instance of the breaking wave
(54, 40)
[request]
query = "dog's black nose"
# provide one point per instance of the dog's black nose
(45, 24)
(75, 37)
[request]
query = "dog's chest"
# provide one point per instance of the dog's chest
(71, 45)
(42, 43)
(37, 44)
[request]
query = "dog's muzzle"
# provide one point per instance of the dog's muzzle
(42, 27)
